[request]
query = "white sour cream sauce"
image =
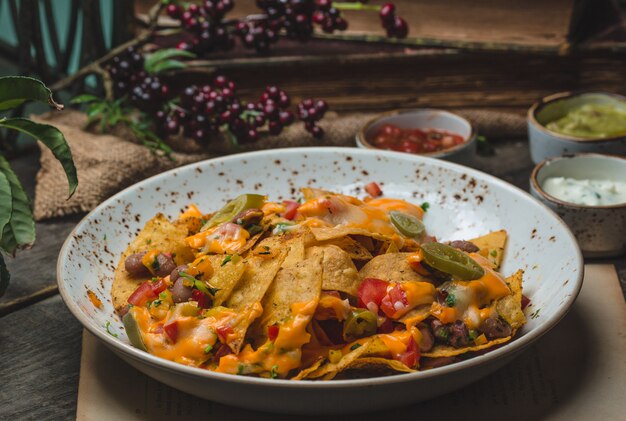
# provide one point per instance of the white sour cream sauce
(586, 192)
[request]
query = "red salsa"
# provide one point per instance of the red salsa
(415, 140)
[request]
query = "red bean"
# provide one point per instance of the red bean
(134, 266)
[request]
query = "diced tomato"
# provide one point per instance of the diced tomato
(291, 208)
(159, 286)
(394, 302)
(142, 294)
(525, 301)
(411, 355)
(171, 329)
(373, 189)
(272, 332)
(201, 298)
(223, 331)
(386, 326)
(371, 290)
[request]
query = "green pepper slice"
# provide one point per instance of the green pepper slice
(359, 324)
(133, 332)
(408, 225)
(234, 207)
(451, 261)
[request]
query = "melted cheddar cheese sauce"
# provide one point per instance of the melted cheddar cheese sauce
(227, 238)
(341, 210)
(279, 356)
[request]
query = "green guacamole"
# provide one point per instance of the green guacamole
(593, 121)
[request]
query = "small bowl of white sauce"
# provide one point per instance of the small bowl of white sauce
(589, 192)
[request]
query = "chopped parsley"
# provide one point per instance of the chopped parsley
(155, 265)
(254, 229)
(267, 250)
(227, 259)
(535, 314)
(240, 369)
(355, 346)
(107, 326)
(154, 279)
(425, 206)
(472, 335)
(105, 237)
(208, 349)
(274, 371)
(450, 300)
(494, 253)
(282, 227)
(163, 295)
(213, 291)
(149, 240)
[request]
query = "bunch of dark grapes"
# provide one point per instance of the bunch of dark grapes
(393, 24)
(205, 23)
(328, 17)
(272, 106)
(129, 78)
(311, 111)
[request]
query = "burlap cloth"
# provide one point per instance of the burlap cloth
(107, 163)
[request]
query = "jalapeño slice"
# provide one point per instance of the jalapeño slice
(359, 324)
(408, 225)
(451, 261)
(232, 208)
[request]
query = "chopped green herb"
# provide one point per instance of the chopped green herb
(155, 265)
(355, 346)
(425, 206)
(154, 279)
(155, 303)
(484, 148)
(227, 259)
(274, 371)
(473, 334)
(240, 369)
(208, 349)
(494, 253)
(213, 291)
(535, 314)
(450, 300)
(163, 295)
(443, 334)
(105, 237)
(149, 240)
(107, 326)
(282, 227)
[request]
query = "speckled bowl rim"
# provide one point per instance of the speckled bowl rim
(468, 142)
(538, 106)
(512, 347)
(535, 183)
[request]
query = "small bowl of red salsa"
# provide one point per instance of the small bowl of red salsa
(429, 132)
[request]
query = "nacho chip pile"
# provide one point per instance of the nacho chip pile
(325, 288)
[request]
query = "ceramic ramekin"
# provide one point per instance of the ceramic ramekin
(545, 143)
(423, 118)
(599, 230)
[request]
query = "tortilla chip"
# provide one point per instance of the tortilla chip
(158, 234)
(492, 246)
(416, 315)
(450, 351)
(510, 307)
(299, 283)
(259, 273)
(374, 367)
(310, 193)
(331, 369)
(330, 233)
(304, 373)
(392, 267)
(339, 273)
(225, 278)
(355, 250)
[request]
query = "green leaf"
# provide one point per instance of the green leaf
(161, 55)
(166, 65)
(14, 90)
(53, 139)
(5, 201)
(83, 99)
(20, 230)
(5, 277)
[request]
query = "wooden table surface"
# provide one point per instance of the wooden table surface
(40, 341)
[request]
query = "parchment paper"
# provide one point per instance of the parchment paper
(577, 371)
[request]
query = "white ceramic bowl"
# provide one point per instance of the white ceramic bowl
(600, 230)
(425, 118)
(463, 203)
(545, 143)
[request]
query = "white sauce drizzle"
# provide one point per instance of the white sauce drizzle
(586, 192)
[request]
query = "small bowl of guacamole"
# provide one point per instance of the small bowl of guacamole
(574, 122)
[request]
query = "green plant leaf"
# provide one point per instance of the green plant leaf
(19, 232)
(53, 139)
(5, 201)
(166, 65)
(161, 55)
(14, 90)
(5, 277)
(83, 99)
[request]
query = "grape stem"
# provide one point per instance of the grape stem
(355, 6)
